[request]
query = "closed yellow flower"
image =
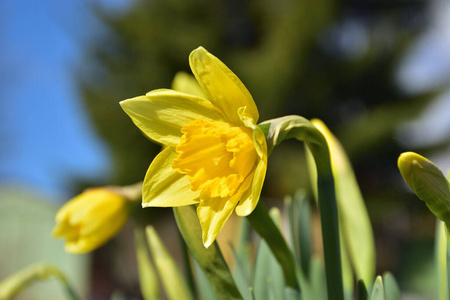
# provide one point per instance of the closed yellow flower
(214, 156)
(91, 219)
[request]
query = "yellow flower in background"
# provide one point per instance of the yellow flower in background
(91, 219)
(214, 156)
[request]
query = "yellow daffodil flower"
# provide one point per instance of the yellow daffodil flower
(214, 154)
(91, 219)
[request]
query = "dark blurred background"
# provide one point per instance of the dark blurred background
(376, 72)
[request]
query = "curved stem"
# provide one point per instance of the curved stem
(330, 232)
(302, 129)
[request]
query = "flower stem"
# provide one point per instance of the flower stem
(209, 259)
(14, 284)
(329, 221)
(302, 129)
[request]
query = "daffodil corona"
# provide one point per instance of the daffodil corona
(214, 156)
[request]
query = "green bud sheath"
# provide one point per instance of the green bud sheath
(428, 182)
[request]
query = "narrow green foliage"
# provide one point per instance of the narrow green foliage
(447, 264)
(377, 290)
(268, 282)
(299, 220)
(241, 274)
(148, 279)
(441, 260)
(391, 289)
(318, 279)
(312, 284)
(204, 287)
(174, 284)
(304, 230)
(267, 230)
(361, 291)
(244, 248)
(347, 274)
(189, 272)
(209, 259)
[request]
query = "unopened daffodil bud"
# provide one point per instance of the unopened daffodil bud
(92, 218)
(428, 182)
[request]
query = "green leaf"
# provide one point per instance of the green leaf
(269, 280)
(441, 259)
(188, 262)
(244, 253)
(347, 274)
(378, 290)
(361, 291)
(263, 224)
(209, 259)
(240, 272)
(391, 289)
(174, 284)
(299, 220)
(312, 285)
(148, 280)
(204, 287)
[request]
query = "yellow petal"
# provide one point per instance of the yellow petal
(185, 83)
(248, 204)
(91, 219)
(105, 220)
(221, 85)
(250, 200)
(160, 114)
(80, 246)
(165, 187)
(213, 212)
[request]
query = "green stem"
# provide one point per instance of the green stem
(329, 221)
(209, 259)
(302, 129)
(14, 284)
(266, 228)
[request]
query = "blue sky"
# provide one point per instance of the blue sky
(46, 138)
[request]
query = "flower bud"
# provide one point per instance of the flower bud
(428, 182)
(91, 219)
